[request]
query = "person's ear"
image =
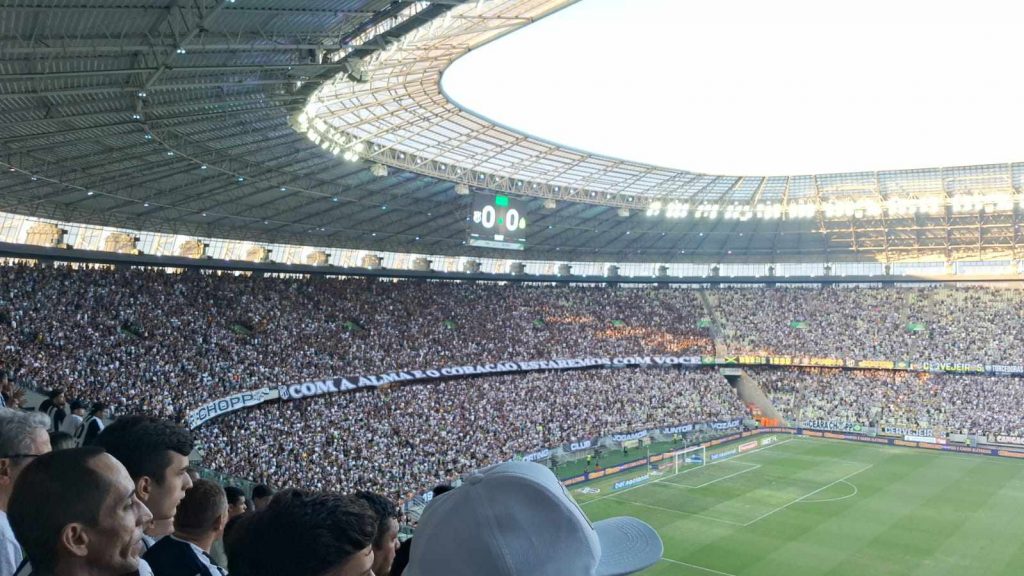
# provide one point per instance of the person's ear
(75, 540)
(222, 521)
(6, 478)
(144, 488)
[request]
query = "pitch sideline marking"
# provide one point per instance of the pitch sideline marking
(784, 506)
(711, 570)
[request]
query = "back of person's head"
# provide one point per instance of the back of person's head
(236, 500)
(78, 405)
(261, 494)
(98, 409)
(441, 489)
(301, 534)
(261, 491)
(204, 510)
(155, 453)
(384, 509)
(61, 440)
(385, 539)
(78, 507)
(23, 436)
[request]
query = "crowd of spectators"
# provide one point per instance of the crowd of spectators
(945, 403)
(157, 343)
(403, 440)
(928, 324)
(161, 344)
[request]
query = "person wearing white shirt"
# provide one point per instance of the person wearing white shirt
(23, 437)
(74, 419)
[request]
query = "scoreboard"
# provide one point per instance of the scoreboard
(498, 222)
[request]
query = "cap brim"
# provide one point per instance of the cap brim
(628, 545)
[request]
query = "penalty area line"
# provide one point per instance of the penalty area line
(696, 567)
(808, 495)
(744, 471)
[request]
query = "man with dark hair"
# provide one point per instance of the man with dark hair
(76, 512)
(199, 522)
(261, 495)
(385, 539)
(301, 534)
(236, 500)
(23, 436)
(92, 425)
(155, 453)
(53, 407)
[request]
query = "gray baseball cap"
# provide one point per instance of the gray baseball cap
(516, 519)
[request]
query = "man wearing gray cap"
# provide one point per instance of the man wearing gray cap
(516, 519)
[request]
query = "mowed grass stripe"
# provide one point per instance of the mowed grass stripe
(915, 512)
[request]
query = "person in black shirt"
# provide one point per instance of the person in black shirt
(199, 521)
(54, 407)
(92, 425)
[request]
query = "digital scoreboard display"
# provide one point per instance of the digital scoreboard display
(498, 222)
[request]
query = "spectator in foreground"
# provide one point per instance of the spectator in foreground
(236, 507)
(301, 534)
(385, 540)
(516, 519)
(261, 495)
(23, 437)
(76, 512)
(200, 521)
(155, 453)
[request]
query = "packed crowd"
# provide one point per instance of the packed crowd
(935, 324)
(128, 504)
(949, 403)
(158, 343)
(161, 344)
(403, 440)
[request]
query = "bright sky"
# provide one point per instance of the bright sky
(755, 87)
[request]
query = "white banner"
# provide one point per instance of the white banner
(228, 404)
(346, 383)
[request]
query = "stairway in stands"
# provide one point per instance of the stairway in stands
(746, 386)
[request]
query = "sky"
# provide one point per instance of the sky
(762, 88)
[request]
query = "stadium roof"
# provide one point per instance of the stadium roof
(223, 118)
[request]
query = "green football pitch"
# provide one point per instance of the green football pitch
(807, 506)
